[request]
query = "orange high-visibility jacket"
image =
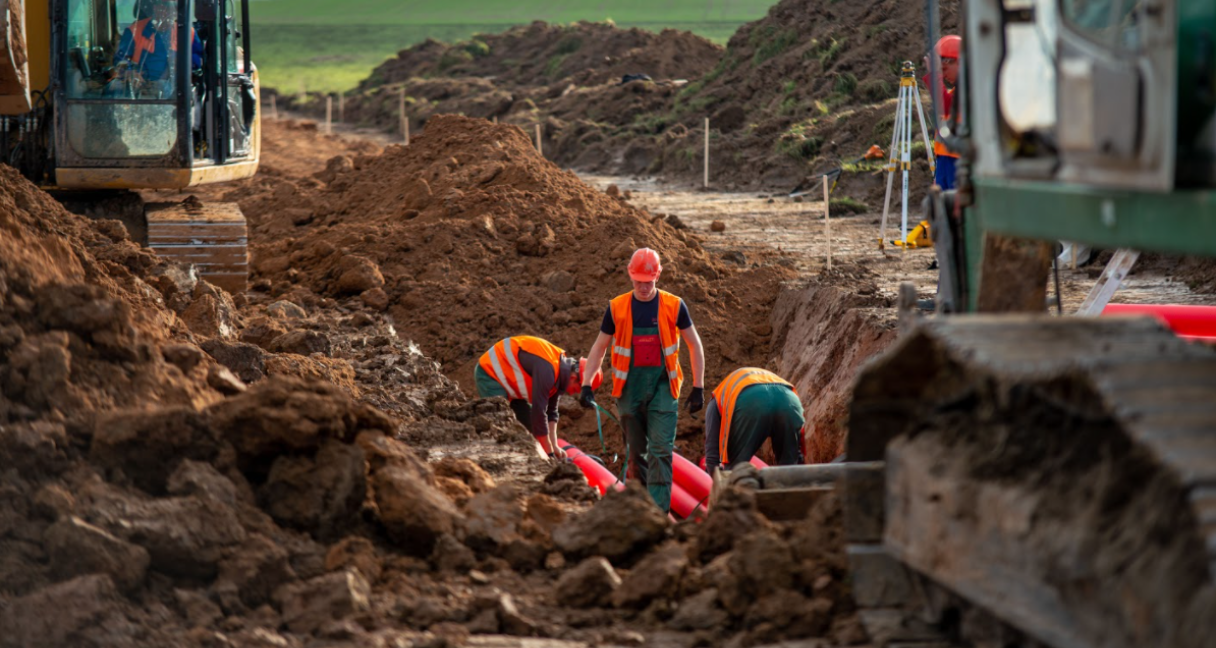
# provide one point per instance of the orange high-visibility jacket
(502, 363)
(947, 106)
(669, 337)
(728, 392)
(145, 44)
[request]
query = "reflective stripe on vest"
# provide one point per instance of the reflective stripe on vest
(517, 382)
(728, 392)
(669, 336)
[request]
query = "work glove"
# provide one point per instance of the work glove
(586, 398)
(696, 400)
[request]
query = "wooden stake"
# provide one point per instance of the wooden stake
(329, 114)
(341, 107)
(707, 151)
(827, 220)
(274, 107)
(539, 148)
(405, 122)
(495, 120)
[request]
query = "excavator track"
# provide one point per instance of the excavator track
(211, 236)
(1056, 474)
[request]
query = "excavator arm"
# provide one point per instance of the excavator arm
(14, 59)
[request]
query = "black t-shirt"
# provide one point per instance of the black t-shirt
(646, 315)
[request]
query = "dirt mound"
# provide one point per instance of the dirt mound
(810, 86)
(82, 327)
(806, 87)
(150, 497)
(468, 236)
(555, 75)
(540, 54)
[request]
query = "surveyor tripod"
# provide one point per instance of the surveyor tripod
(901, 148)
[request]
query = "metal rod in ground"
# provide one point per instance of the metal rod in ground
(707, 151)
(827, 220)
(329, 114)
(405, 120)
(539, 148)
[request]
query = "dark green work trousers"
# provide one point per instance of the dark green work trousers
(648, 414)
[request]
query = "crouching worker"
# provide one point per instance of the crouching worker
(529, 372)
(752, 405)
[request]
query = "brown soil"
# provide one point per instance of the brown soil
(471, 223)
(287, 467)
(793, 95)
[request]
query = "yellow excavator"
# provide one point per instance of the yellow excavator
(97, 100)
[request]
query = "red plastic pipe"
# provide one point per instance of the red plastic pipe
(685, 505)
(597, 475)
(695, 481)
(1186, 321)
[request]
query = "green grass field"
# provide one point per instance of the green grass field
(330, 46)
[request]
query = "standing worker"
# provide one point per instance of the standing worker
(644, 327)
(528, 372)
(752, 405)
(947, 52)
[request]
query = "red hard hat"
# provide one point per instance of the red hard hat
(596, 380)
(645, 266)
(949, 46)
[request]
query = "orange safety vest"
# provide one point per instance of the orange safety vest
(939, 149)
(145, 44)
(502, 362)
(669, 337)
(728, 392)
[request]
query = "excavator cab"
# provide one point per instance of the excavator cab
(102, 97)
(152, 93)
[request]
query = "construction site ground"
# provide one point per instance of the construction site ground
(304, 464)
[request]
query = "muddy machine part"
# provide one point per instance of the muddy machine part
(213, 237)
(1056, 474)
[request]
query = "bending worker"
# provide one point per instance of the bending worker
(752, 405)
(644, 327)
(528, 372)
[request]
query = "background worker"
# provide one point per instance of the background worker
(947, 51)
(752, 405)
(528, 372)
(644, 327)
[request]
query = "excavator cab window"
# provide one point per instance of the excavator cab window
(163, 83)
(121, 77)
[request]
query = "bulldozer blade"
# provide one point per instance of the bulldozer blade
(213, 237)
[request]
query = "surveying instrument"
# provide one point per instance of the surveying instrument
(901, 149)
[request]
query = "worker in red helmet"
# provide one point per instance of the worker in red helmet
(750, 406)
(644, 328)
(947, 51)
(528, 372)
